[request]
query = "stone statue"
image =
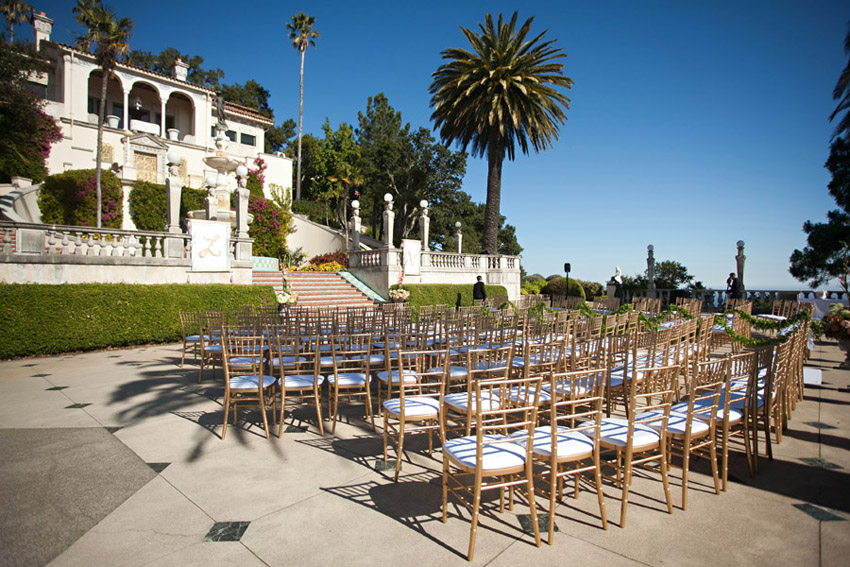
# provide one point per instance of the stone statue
(618, 275)
(221, 123)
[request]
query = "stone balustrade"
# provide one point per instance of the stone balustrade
(52, 254)
(383, 267)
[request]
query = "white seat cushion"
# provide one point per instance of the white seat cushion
(414, 406)
(348, 378)
(677, 424)
(409, 376)
(460, 402)
(301, 381)
(494, 457)
(614, 432)
(455, 371)
(569, 443)
(250, 382)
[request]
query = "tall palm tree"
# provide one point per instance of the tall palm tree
(108, 36)
(842, 91)
(15, 13)
(302, 34)
(501, 94)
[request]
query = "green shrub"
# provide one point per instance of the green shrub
(592, 289)
(70, 198)
(557, 285)
(52, 319)
(149, 206)
(532, 287)
(313, 210)
(447, 294)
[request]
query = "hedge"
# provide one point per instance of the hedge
(447, 294)
(70, 198)
(51, 319)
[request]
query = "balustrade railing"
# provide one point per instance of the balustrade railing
(714, 300)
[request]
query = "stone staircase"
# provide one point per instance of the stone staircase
(268, 277)
(326, 289)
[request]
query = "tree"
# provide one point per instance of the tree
(251, 94)
(164, 62)
(842, 92)
(406, 163)
(15, 13)
(108, 36)
(27, 131)
(302, 35)
(826, 255)
(669, 274)
(501, 94)
(279, 138)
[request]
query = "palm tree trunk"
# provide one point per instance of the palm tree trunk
(300, 123)
(492, 217)
(98, 166)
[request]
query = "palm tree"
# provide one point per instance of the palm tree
(108, 36)
(15, 13)
(497, 96)
(842, 91)
(302, 34)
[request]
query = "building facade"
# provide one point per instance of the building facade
(148, 115)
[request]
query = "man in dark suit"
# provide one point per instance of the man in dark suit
(479, 294)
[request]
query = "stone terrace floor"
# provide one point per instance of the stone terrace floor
(115, 458)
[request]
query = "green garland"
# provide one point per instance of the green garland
(720, 320)
(770, 325)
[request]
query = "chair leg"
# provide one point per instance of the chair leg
(665, 480)
(226, 411)
(473, 529)
(262, 404)
(600, 495)
(318, 397)
(686, 463)
(399, 448)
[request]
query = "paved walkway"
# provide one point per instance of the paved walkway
(115, 458)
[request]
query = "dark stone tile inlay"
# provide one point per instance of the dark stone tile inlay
(821, 463)
(819, 514)
(819, 425)
(55, 388)
(40, 375)
(226, 531)
(77, 406)
(294, 429)
(113, 430)
(158, 467)
(388, 465)
(542, 523)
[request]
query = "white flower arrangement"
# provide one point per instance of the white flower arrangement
(399, 294)
(285, 298)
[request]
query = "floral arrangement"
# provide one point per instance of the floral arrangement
(326, 267)
(399, 294)
(287, 298)
(836, 323)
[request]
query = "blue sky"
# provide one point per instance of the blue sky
(692, 125)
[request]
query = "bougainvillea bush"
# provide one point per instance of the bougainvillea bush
(339, 257)
(269, 228)
(70, 198)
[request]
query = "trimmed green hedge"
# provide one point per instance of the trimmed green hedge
(52, 319)
(447, 294)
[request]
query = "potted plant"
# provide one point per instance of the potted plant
(836, 325)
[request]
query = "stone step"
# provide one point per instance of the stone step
(320, 289)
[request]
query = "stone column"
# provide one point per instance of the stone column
(173, 190)
(389, 219)
(650, 271)
(424, 224)
(739, 260)
(459, 237)
(354, 224)
(162, 118)
(242, 196)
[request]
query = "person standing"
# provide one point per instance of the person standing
(479, 294)
(734, 287)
